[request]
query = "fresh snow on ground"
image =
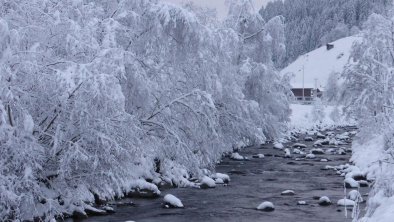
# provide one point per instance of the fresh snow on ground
(319, 63)
(302, 118)
(368, 156)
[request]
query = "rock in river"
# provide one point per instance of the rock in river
(266, 206)
(324, 201)
(171, 201)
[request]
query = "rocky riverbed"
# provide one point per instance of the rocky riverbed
(258, 179)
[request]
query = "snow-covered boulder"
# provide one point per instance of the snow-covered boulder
(95, 211)
(310, 133)
(219, 181)
(340, 151)
(356, 175)
(278, 146)
(346, 202)
(142, 189)
(258, 156)
(355, 196)
(351, 183)
(171, 201)
(310, 156)
(222, 176)
(299, 145)
(108, 209)
(324, 160)
(236, 156)
(287, 153)
(331, 151)
(302, 202)
(207, 183)
(321, 142)
(288, 193)
(324, 201)
(308, 139)
(328, 167)
(333, 141)
(297, 151)
(266, 206)
(317, 151)
(320, 135)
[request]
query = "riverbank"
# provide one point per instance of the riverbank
(252, 182)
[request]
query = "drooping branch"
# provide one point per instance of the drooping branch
(253, 35)
(10, 118)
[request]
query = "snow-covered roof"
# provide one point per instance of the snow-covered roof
(319, 63)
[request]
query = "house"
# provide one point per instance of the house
(306, 94)
(329, 46)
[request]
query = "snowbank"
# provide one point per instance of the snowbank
(366, 156)
(301, 118)
(369, 156)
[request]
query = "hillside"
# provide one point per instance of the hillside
(319, 63)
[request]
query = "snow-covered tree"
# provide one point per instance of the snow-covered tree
(368, 94)
(99, 97)
(312, 23)
(318, 112)
(368, 89)
(332, 88)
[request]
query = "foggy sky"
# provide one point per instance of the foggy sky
(219, 4)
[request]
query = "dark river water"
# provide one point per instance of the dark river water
(253, 182)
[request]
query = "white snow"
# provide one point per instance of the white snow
(278, 146)
(385, 210)
(143, 185)
(352, 183)
(208, 182)
(319, 63)
(173, 201)
(366, 156)
(219, 181)
(301, 202)
(224, 177)
(266, 206)
(287, 153)
(297, 151)
(355, 196)
(324, 200)
(310, 156)
(346, 202)
(299, 145)
(236, 156)
(288, 193)
(301, 118)
(260, 156)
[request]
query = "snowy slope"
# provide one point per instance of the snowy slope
(319, 63)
